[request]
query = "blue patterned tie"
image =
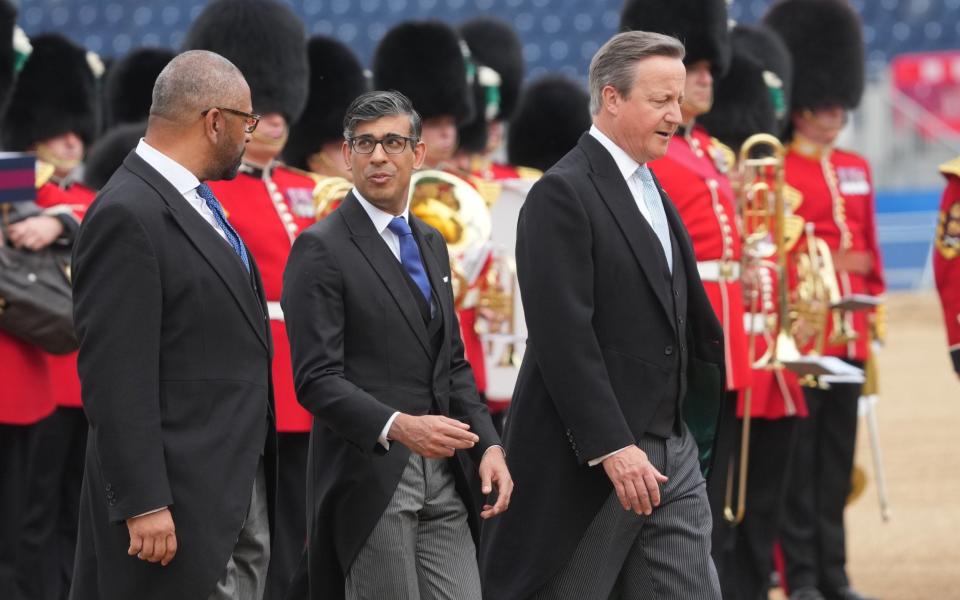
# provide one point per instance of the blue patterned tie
(207, 194)
(410, 255)
(658, 217)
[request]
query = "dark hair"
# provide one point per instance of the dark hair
(376, 104)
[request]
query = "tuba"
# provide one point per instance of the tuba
(458, 211)
(328, 193)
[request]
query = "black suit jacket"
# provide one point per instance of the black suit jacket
(175, 372)
(360, 352)
(601, 356)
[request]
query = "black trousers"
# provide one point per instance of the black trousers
(812, 532)
(290, 535)
(48, 537)
(16, 443)
(748, 552)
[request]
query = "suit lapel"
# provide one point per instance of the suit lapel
(432, 257)
(208, 242)
(616, 195)
(375, 250)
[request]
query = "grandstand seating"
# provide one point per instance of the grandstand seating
(559, 35)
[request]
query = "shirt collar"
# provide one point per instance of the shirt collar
(178, 175)
(381, 219)
(625, 164)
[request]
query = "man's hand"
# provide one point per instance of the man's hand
(35, 233)
(152, 537)
(635, 479)
(432, 436)
(494, 474)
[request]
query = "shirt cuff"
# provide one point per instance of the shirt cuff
(597, 461)
(150, 512)
(386, 429)
(502, 449)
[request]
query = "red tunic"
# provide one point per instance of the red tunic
(946, 264)
(838, 200)
(75, 199)
(691, 175)
(269, 211)
(775, 393)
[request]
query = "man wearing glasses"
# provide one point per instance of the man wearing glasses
(269, 204)
(175, 359)
(378, 360)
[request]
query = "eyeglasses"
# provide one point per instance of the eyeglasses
(250, 120)
(392, 144)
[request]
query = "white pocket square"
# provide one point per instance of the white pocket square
(446, 279)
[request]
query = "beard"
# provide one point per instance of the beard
(229, 160)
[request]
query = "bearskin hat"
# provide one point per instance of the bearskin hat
(552, 114)
(55, 93)
(494, 43)
(472, 136)
(825, 39)
(753, 97)
(336, 78)
(128, 87)
(107, 153)
(424, 60)
(266, 40)
(700, 24)
(8, 22)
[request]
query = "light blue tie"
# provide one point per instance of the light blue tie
(658, 217)
(214, 205)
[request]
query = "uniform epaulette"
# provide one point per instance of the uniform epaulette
(726, 154)
(309, 174)
(951, 167)
(529, 173)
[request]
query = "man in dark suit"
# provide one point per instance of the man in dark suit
(621, 380)
(175, 360)
(378, 360)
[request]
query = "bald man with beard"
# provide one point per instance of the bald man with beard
(175, 359)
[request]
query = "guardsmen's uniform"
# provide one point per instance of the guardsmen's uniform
(750, 99)
(825, 40)
(946, 264)
(38, 113)
(269, 207)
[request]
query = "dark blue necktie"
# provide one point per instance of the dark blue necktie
(410, 255)
(207, 194)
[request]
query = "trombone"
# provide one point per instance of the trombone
(768, 234)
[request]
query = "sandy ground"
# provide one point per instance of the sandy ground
(916, 555)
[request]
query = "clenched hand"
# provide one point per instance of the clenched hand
(635, 479)
(152, 537)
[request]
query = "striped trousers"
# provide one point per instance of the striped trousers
(625, 556)
(421, 548)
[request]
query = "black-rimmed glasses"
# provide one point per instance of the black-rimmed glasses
(392, 144)
(250, 120)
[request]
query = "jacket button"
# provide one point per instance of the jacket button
(668, 350)
(109, 487)
(680, 320)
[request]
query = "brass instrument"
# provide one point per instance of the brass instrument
(458, 211)
(328, 193)
(769, 233)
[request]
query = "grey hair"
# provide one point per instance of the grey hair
(193, 82)
(615, 62)
(371, 106)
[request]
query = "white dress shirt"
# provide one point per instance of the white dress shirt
(180, 178)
